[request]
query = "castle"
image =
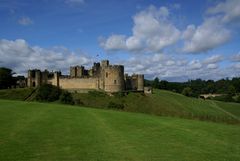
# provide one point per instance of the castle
(102, 76)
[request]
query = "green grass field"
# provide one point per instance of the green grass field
(161, 103)
(38, 131)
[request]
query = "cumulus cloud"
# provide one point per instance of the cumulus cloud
(230, 10)
(213, 59)
(195, 65)
(207, 36)
(152, 31)
(113, 43)
(25, 21)
(212, 66)
(20, 57)
(178, 68)
(236, 57)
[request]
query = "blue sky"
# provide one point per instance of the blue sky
(171, 39)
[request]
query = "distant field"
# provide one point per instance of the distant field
(32, 131)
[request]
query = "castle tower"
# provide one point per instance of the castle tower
(37, 78)
(140, 82)
(104, 63)
(73, 72)
(113, 78)
(56, 79)
(79, 71)
(29, 79)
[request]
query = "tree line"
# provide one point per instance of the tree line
(194, 88)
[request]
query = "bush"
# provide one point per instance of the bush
(114, 105)
(119, 94)
(48, 92)
(97, 93)
(77, 101)
(238, 99)
(225, 98)
(187, 91)
(66, 98)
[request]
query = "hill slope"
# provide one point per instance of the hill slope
(166, 103)
(37, 131)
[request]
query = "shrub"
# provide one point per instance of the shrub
(97, 93)
(66, 98)
(77, 101)
(114, 105)
(225, 98)
(48, 92)
(119, 94)
(187, 91)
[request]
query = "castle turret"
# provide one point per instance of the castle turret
(140, 82)
(56, 79)
(113, 78)
(29, 79)
(104, 63)
(37, 78)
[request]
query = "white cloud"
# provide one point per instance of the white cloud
(25, 21)
(208, 35)
(236, 66)
(152, 31)
(236, 57)
(195, 65)
(20, 57)
(212, 66)
(213, 59)
(113, 43)
(230, 10)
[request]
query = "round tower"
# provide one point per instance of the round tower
(113, 78)
(140, 82)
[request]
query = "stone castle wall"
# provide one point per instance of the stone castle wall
(109, 78)
(79, 83)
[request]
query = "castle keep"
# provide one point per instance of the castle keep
(102, 76)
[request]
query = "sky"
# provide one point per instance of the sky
(173, 40)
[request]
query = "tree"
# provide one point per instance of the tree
(231, 90)
(155, 83)
(6, 79)
(187, 91)
(66, 98)
(48, 92)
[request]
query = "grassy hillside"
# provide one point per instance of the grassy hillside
(167, 103)
(163, 103)
(16, 94)
(37, 131)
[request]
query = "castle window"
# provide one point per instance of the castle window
(115, 81)
(106, 74)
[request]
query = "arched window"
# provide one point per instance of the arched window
(115, 81)
(106, 74)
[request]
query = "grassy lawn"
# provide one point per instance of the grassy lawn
(38, 131)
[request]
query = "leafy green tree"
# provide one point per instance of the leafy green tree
(155, 83)
(66, 98)
(6, 78)
(187, 91)
(231, 90)
(48, 92)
